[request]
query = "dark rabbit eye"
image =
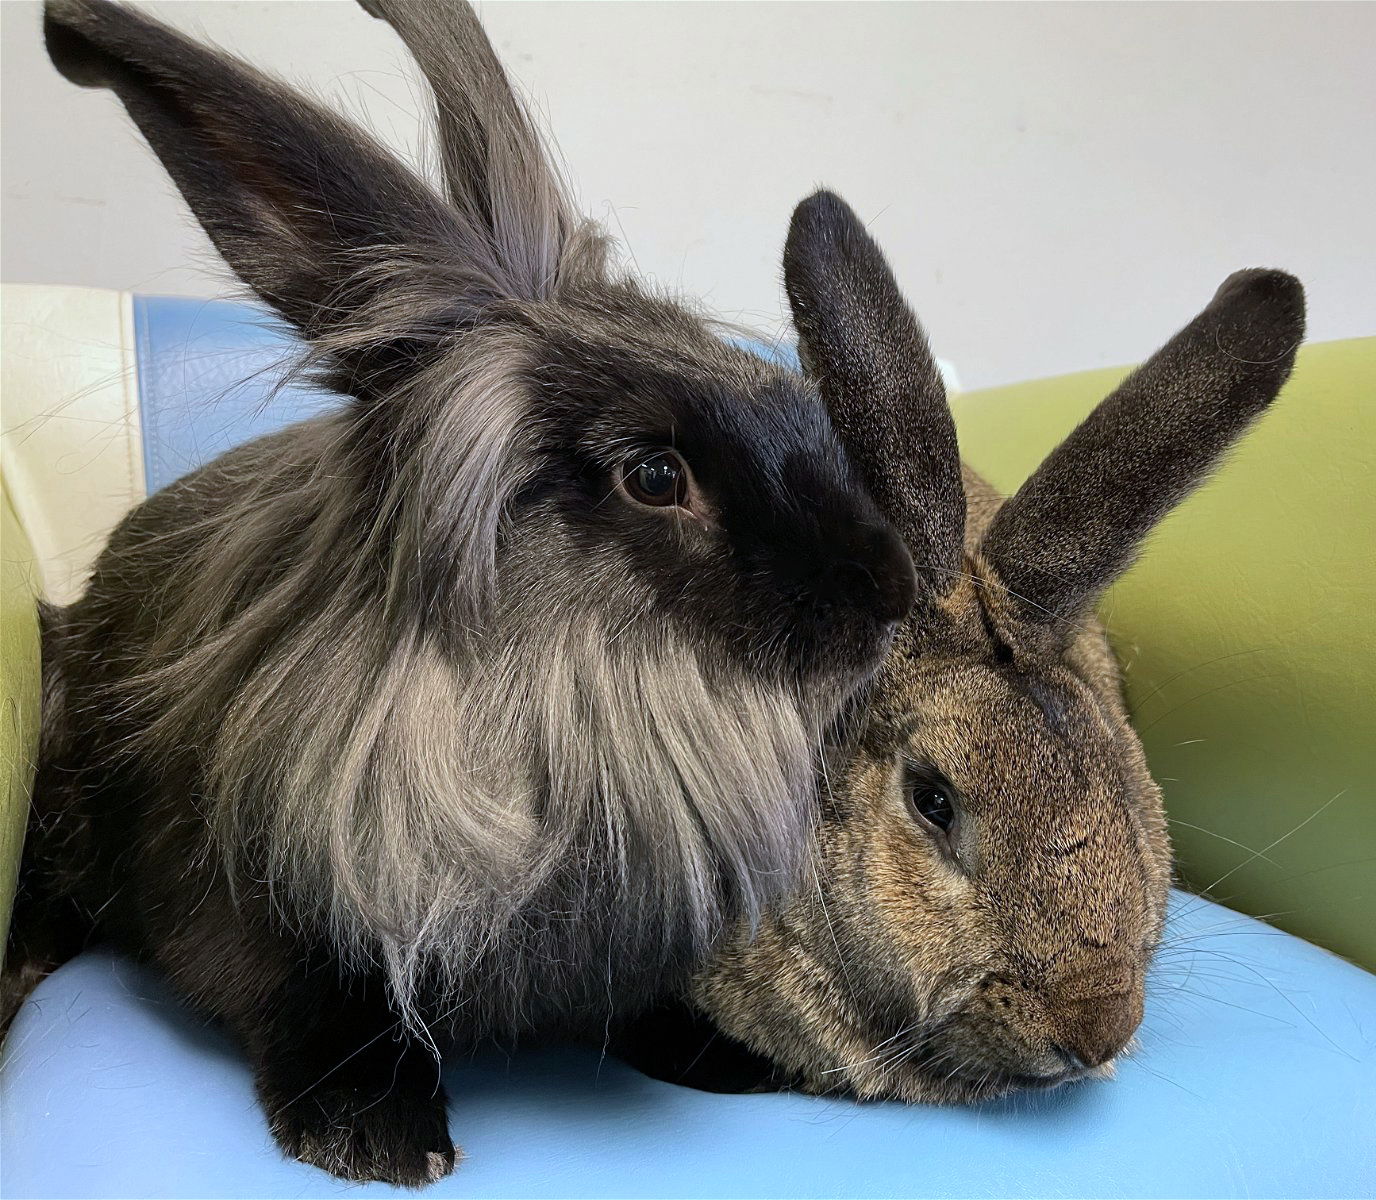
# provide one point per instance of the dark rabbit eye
(659, 481)
(932, 797)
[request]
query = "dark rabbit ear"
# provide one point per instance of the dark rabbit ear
(309, 211)
(863, 345)
(1079, 521)
(496, 169)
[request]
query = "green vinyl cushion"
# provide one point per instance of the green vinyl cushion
(1246, 632)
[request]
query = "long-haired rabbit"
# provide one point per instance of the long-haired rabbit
(992, 859)
(477, 706)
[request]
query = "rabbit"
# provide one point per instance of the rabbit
(992, 860)
(477, 708)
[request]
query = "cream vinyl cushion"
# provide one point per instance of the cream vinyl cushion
(69, 415)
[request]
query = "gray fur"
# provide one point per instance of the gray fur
(1078, 522)
(428, 812)
(415, 678)
(486, 137)
(880, 381)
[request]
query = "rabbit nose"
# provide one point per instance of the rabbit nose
(879, 575)
(1092, 1030)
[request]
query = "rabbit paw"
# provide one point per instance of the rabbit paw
(389, 1137)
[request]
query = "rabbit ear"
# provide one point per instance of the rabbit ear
(863, 345)
(1078, 522)
(309, 211)
(496, 169)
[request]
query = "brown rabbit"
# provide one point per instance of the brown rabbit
(992, 862)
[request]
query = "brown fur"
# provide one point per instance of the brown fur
(1066, 901)
(1010, 952)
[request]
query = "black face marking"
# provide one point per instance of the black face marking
(793, 566)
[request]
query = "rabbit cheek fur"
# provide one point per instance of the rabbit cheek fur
(992, 863)
(907, 972)
(409, 725)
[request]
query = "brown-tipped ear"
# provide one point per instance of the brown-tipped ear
(1079, 521)
(496, 168)
(862, 344)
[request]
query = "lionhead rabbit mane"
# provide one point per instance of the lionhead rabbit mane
(489, 697)
(991, 866)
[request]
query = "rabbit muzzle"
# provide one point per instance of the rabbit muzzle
(1011, 1035)
(875, 576)
(826, 592)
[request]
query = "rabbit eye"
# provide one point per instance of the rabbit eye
(659, 481)
(931, 797)
(935, 806)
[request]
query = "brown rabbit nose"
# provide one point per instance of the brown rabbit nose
(1092, 1030)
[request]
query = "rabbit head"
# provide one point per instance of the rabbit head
(992, 860)
(541, 628)
(515, 398)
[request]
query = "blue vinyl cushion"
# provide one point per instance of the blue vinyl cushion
(213, 374)
(1256, 1076)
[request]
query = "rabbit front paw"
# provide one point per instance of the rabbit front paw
(395, 1137)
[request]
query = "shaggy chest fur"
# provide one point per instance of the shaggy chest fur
(534, 833)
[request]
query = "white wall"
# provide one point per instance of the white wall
(1058, 186)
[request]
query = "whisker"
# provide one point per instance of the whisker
(1284, 837)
